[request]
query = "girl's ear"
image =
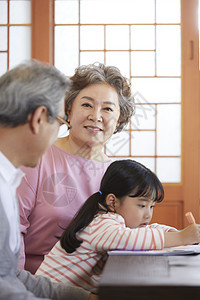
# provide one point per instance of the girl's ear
(112, 202)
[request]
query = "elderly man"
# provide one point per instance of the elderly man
(31, 111)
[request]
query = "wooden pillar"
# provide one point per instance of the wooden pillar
(42, 30)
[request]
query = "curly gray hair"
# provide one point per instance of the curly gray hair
(99, 73)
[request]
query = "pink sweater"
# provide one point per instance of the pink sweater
(49, 196)
(106, 232)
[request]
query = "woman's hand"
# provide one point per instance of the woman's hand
(188, 236)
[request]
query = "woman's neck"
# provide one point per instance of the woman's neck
(81, 150)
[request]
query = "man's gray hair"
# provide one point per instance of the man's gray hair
(28, 86)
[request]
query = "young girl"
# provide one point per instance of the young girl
(115, 217)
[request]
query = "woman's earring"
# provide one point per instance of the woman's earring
(69, 127)
(117, 126)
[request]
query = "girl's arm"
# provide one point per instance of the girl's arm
(108, 232)
(189, 235)
(163, 227)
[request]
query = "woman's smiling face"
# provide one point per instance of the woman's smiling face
(94, 115)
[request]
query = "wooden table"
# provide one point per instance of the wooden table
(151, 277)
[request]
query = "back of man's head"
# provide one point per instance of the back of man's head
(28, 86)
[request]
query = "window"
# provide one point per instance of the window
(15, 33)
(143, 39)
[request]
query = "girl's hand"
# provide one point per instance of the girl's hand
(191, 234)
(188, 236)
(93, 297)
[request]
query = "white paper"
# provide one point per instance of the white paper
(181, 250)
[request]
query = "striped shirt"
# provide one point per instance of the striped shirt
(106, 232)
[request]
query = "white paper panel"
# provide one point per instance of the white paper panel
(143, 37)
(168, 130)
(143, 63)
(169, 169)
(148, 162)
(119, 59)
(116, 11)
(158, 90)
(66, 49)
(91, 57)
(168, 50)
(117, 37)
(20, 45)
(143, 143)
(118, 145)
(66, 12)
(92, 37)
(3, 63)
(20, 12)
(3, 11)
(144, 117)
(168, 11)
(3, 38)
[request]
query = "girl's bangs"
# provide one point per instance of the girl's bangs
(152, 192)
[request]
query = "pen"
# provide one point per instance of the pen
(190, 217)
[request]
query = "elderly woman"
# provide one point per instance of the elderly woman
(98, 105)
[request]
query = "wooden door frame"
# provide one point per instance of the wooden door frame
(190, 108)
(184, 195)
